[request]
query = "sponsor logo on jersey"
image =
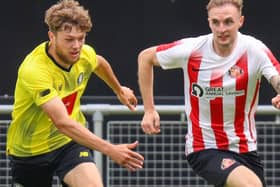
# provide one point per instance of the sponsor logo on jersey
(214, 92)
(197, 90)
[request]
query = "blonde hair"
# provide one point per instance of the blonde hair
(67, 13)
(215, 3)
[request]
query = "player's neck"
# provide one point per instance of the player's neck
(224, 50)
(57, 59)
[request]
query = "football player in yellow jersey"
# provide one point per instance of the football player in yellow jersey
(47, 135)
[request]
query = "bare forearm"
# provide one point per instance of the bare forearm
(275, 82)
(83, 136)
(146, 87)
(121, 153)
(57, 112)
(146, 81)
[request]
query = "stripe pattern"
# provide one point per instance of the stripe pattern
(221, 93)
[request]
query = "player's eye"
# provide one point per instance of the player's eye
(228, 22)
(215, 22)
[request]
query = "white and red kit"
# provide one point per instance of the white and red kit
(221, 93)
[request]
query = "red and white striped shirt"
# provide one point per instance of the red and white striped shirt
(221, 93)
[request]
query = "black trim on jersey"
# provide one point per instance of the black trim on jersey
(55, 62)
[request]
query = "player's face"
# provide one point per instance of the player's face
(67, 45)
(225, 21)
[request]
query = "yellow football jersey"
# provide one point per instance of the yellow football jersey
(40, 79)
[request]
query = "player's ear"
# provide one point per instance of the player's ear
(209, 22)
(241, 21)
(51, 35)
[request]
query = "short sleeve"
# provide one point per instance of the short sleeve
(174, 55)
(38, 82)
(90, 55)
(271, 67)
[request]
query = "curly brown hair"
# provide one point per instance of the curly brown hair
(67, 13)
(214, 3)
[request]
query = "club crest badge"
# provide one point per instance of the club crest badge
(80, 78)
(226, 163)
(235, 71)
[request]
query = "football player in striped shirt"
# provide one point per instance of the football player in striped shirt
(222, 75)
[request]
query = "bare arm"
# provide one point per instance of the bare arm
(122, 154)
(146, 61)
(105, 72)
(275, 82)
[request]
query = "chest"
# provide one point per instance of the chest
(74, 80)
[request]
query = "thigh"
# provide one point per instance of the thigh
(73, 160)
(30, 174)
(253, 161)
(254, 165)
(243, 176)
(84, 174)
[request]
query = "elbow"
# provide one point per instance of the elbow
(142, 57)
(62, 124)
(148, 56)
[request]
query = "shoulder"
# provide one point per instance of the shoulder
(36, 61)
(198, 40)
(185, 44)
(88, 53)
(251, 42)
(88, 56)
(88, 50)
(256, 48)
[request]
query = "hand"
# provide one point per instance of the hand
(151, 122)
(127, 97)
(276, 101)
(124, 156)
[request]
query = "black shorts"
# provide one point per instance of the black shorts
(39, 170)
(215, 165)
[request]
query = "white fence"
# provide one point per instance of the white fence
(165, 163)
